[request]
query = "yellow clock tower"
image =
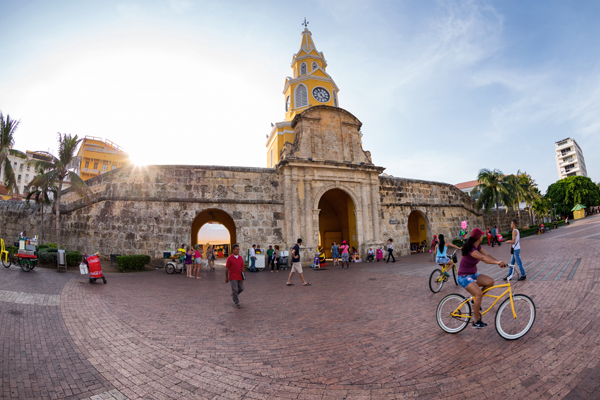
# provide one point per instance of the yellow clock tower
(310, 85)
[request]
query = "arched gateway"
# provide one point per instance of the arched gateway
(418, 231)
(337, 220)
(213, 215)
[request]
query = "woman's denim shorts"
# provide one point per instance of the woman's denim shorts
(466, 280)
(442, 260)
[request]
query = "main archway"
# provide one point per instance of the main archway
(418, 231)
(213, 215)
(337, 220)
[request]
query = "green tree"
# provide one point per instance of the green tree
(494, 190)
(541, 206)
(7, 141)
(568, 192)
(57, 171)
(42, 195)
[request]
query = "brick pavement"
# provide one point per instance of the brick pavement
(368, 332)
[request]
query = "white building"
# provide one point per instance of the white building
(25, 173)
(569, 158)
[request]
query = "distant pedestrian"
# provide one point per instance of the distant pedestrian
(296, 265)
(516, 251)
(488, 233)
(270, 258)
(390, 249)
(434, 243)
(276, 258)
(335, 254)
(253, 258)
(379, 254)
(188, 261)
(210, 257)
(495, 236)
(344, 248)
(234, 268)
(371, 255)
(197, 261)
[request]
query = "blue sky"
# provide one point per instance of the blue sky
(443, 88)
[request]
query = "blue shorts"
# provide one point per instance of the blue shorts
(442, 260)
(466, 280)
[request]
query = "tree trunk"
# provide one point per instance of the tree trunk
(60, 183)
(42, 227)
(498, 216)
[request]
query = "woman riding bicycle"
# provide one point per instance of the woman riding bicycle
(469, 278)
(440, 252)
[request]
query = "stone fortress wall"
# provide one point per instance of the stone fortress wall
(146, 210)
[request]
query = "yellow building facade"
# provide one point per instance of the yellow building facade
(310, 85)
(99, 156)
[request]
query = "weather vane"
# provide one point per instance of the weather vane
(305, 23)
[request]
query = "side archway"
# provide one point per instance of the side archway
(213, 215)
(419, 231)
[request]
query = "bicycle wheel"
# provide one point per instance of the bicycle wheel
(507, 326)
(436, 280)
(169, 268)
(6, 261)
(454, 274)
(447, 306)
(25, 265)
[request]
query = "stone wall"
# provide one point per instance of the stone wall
(16, 216)
(490, 219)
(442, 205)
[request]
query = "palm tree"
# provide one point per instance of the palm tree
(494, 190)
(58, 171)
(521, 185)
(42, 195)
(541, 207)
(7, 141)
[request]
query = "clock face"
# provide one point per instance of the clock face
(287, 104)
(321, 94)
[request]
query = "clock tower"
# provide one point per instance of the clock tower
(310, 85)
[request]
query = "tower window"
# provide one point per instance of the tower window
(301, 96)
(315, 66)
(303, 69)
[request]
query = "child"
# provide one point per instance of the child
(197, 262)
(188, 261)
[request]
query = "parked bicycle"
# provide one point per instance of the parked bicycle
(514, 317)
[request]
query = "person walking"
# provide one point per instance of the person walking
(516, 251)
(488, 233)
(253, 258)
(344, 248)
(197, 261)
(296, 265)
(234, 268)
(495, 236)
(188, 261)
(270, 258)
(335, 253)
(390, 249)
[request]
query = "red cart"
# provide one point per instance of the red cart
(93, 263)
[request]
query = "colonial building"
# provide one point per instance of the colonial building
(310, 190)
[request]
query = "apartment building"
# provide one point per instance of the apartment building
(98, 156)
(569, 158)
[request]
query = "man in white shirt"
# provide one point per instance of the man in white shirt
(253, 258)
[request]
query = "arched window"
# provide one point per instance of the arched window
(303, 69)
(301, 96)
(315, 66)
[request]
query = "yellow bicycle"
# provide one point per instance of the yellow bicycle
(514, 317)
(439, 276)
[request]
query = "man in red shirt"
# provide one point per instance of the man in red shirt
(234, 273)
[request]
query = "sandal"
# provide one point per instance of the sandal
(306, 284)
(289, 284)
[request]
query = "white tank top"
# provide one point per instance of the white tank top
(517, 245)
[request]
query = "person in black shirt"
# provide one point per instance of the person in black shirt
(296, 265)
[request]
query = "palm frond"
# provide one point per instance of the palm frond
(80, 187)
